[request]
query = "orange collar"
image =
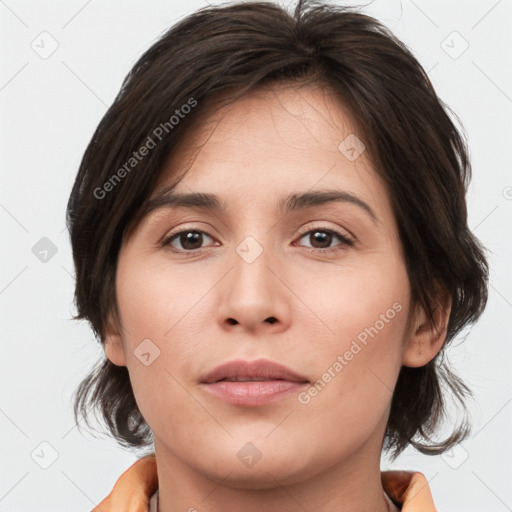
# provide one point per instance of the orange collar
(135, 486)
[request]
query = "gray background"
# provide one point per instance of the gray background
(50, 105)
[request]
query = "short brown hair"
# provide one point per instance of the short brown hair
(411, 140)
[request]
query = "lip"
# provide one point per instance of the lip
(274, 381)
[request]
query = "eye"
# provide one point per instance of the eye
(189, 240)
(321, 240)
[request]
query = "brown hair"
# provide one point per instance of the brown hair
(411, 140)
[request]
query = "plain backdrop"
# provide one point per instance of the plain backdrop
(62, 65)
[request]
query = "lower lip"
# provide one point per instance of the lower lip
(253, 393)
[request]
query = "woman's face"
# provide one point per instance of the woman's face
(318, 286)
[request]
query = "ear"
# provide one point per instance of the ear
(113, 345)
(426, 338)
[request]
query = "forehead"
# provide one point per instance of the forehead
(284, 117)
(272, 141)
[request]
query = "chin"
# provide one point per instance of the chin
(258, 465)
(264, 475)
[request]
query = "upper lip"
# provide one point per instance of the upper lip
(258, 369)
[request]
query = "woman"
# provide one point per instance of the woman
(270, 237)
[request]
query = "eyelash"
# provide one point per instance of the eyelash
(345, 241)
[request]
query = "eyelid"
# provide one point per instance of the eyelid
(322, 227)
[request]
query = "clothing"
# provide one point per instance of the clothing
(153, 502)
(138, 486)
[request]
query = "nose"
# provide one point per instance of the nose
(254, 297)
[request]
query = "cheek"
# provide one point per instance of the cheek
(356, 376)
(164, 311)
(364, 310)
(362, 298)
(155, 300)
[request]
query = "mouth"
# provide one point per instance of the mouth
(252, 383)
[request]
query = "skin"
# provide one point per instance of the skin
(323, 455)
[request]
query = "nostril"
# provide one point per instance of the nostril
(232, 321)
(271, 319)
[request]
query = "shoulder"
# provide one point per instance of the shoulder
(409, 488)
(133, 489)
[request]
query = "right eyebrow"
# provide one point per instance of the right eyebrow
(199, 200)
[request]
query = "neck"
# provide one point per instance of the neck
(351, 486)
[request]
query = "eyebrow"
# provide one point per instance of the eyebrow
(292, 202)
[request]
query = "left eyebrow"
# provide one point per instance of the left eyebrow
(298, 201)
(292, 202)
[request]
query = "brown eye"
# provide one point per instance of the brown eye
(321, 240)
(189, 240)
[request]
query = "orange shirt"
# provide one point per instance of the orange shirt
(136, 485)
